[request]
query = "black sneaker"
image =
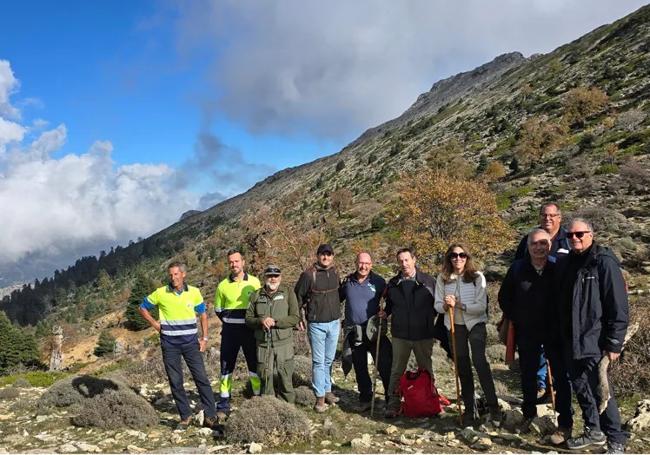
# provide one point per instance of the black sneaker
(615, 447)
(589, 439)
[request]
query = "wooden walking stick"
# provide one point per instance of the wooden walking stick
(376, 372)
(453, 348)
(549, 374)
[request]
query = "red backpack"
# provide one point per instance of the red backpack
(420, 398)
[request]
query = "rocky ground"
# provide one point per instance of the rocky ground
(26, 427)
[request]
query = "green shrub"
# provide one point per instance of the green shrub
(305, 396)
(105, 344)
(266, 417)
(18, 348)
(607, 168)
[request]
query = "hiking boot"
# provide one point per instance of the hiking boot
(184, 424)
(364, 406)
(524, 427)
(469, 419)
(391, 413)
(212, 423)
(321, 407)
(495, 414)
(330, 398)
(561, 435)
(589, 439)
(221, 417)
(615, 447)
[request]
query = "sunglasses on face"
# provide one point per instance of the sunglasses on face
(578, 234)
(457, 255)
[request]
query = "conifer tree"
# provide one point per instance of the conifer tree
(141, 288)
(105, 344)
(17, 348)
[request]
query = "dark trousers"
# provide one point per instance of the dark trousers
(360, 362)
(233, 338)
(476, 339)
(530, 351)
(584, 380)
(172, 354)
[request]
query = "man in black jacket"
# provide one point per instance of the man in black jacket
(527, 300)
(594, 316)
(317, 291)
(409, 303)
(550, 220)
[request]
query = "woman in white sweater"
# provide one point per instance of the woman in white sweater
(461, 288)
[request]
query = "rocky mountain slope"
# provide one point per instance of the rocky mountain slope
(572, 126)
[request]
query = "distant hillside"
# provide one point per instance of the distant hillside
(572, 126)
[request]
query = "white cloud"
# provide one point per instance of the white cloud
(8, 84)
(77, 202)
(335, 68)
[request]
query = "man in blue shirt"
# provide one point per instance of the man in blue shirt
(362, 291)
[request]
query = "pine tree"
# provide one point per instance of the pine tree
(105, 344)
(17, 348)
(142, 287)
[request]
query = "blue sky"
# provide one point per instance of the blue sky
(118, 116)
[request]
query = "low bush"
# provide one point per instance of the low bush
(305, 396)
(607, 168)
(301, 370)
(267, 419)
(115, 409)
(632, 374)
(9, 393)
(75, 391)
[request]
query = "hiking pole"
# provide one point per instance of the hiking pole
(453, 348)
(268, 377)
(376, 372)
(549, 374)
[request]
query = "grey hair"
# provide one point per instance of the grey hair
(537, 231)
(178, 264)
(582, 220)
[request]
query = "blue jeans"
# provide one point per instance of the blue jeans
(323, 337)
(172, 355)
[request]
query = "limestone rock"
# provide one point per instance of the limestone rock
(254, 448)
(390, 429)
(511, 419)
(135, 449)
(205, 432)
(87, 448)
(641, 419)
(483, 443)
(361, 443)
(68, 448)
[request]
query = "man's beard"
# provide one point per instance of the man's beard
(272, 286)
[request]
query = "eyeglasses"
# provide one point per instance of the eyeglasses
(578, 234)
(549, 215)
(457, 255)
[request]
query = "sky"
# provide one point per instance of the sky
(117, 117)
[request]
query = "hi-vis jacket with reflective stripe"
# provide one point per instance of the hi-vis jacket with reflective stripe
(177, 312)
(232, 297)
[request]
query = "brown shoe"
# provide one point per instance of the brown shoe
(321, 407)
(184, 424)
(364, 406)
(330, 398)
(560, 436)
(391, 413)
(221, 417)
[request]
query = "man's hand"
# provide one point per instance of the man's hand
(156, 326)
(450, 302)
(382, 314)
(302, 326)
(612, 356)
(203, 344)
(268, 322)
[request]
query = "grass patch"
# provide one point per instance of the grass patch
(506, 198)
(608, 168)
(35, 378)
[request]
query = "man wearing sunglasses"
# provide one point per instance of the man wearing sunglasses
(317, 291)
(594, 318)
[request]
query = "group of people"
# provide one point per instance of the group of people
(564, 295)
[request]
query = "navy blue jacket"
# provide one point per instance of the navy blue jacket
(527, 299)
(595, 311)
(411, 307)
